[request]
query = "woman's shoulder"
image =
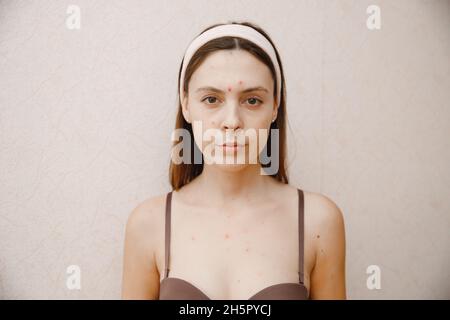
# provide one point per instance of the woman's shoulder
(325, 221)
(321, 212)
(322, 207)
(147, 216)
(319, 208)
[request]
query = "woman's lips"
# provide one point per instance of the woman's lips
(232, 146)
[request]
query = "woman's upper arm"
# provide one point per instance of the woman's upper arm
(140, 279)
(328, 275)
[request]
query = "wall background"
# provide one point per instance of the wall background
(86, 117)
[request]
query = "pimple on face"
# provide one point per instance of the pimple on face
(230, 87)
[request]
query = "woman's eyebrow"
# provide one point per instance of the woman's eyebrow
(258, 88)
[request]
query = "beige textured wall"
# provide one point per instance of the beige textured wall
(86, 116)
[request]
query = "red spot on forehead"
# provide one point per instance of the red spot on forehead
(240, 81)
(229, 88)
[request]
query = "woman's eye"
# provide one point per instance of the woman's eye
(254, 101)
(210, 99)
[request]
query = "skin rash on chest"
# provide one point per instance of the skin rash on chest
(235, 246)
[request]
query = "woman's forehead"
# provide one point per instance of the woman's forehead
(227, 67)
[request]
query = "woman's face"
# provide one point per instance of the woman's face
(229, 95)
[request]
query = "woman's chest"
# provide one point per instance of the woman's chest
(233, 254)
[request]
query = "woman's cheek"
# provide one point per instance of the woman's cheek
(202, 134)
(197, 128)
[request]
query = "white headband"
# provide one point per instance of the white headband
(234, 30)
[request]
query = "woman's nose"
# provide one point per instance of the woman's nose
(232, 118)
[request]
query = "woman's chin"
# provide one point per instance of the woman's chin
(232, 167)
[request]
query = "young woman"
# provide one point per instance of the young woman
(233, 230)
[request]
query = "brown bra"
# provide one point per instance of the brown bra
(172, 288)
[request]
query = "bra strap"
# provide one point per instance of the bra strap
(301, 231)
(167, 233)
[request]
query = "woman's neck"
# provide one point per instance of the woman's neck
(223, 187)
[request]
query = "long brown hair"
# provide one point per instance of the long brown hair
(183, 173)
